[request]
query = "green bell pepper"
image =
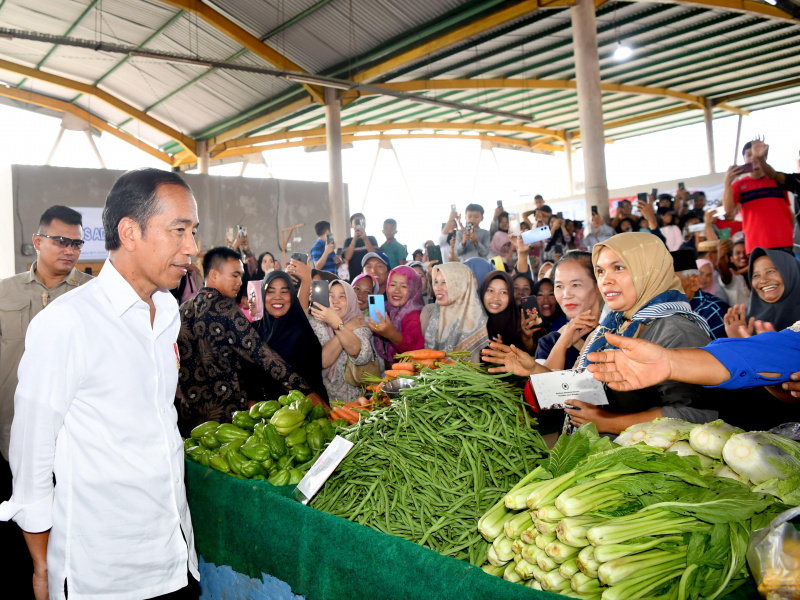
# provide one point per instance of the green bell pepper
(317, 412)
(210, 441)
(219, 463)
(285, 462)
(280, 478)
(301, 453)
(277, 447)
(284, 400)
(242, 419)
(204, 429)
(270, 408)
(286, 420)
(340, 423)
(298, 436)
(315, 439)
(228, 432)
(295, 476)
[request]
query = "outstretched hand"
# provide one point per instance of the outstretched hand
(512, 359)
(636, 365)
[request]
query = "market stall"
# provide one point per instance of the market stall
(449, 492)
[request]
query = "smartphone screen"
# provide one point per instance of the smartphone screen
(747, 168)
(725, 234)
(529, 303)
(329, 238)
(560, 215)
(434, 253)
(242, 231)
(453, 207)
(681, 186)
(300, 257)
(376, 305)
(697, 227)
(499, 203)
(594, 210)
(654, 193)
(229, 235)
(255, 299)
(536, 235)
(642, 196)
(513, 223)
(319, 293)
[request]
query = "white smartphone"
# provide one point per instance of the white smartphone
(697, 227)
(513, 223)
(537, 235)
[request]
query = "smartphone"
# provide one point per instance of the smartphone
(642, 197)
(319, 293)
(499, 203)
(498, 263)
(560, 215)
(444, 225)
(725, 234)
(300, 257)
(697, 227)
(595, 211)
(537, 235)
(513, 223)
(339, 252)
(376, 305)
(747, 168)
(470, 227)
(242, 231)
(360, 224)
(681, 185)
(229, 235)
(255, 299)
(453, 207)
(654, 193)
(529, 303)
(434, 253)
(329, 238)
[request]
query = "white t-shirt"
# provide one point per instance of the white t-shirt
(445, 247)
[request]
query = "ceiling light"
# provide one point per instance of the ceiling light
(773, 2)
(622, 52)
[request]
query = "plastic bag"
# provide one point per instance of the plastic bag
(774, 558)
(788, 430)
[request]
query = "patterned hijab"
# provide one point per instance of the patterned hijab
(786, 311)
(659, 293)
(353, 319)
(395, 314)
(461, 324)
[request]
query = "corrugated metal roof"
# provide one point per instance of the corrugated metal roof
(684, 48)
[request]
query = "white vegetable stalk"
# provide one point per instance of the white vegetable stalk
(518, 546)
(529, 535)
(603, 554)
(534, 585)
(539, 573)
(517, 499)
(524, 569)
(549, 513)
(544, 538)
(516, 525)
(502, 547)
(545, 526)
(633, 434)
(638, 587)
(494, 560)
(569, 568)
(584, 584)
(586, 562)
(727, 472)
(666, 431)
(494, 571)
(531, 553)
(547, 494)
(546, 563)
(683, 448)
(510, 574)
(759, 456)
(554, 582)
(710, 438)
(560, 552)
(639, 565)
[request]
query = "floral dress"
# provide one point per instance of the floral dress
(337, 387)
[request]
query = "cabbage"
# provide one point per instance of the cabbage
(633, 434)
(726, 471)
(682, 448)
(758, 456)
(665, 431)
(710, 438)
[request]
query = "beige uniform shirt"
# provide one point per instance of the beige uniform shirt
(22, 297)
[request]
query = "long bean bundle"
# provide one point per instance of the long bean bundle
(428, 466)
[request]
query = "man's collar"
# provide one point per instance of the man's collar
(117, 288)
(70, 278)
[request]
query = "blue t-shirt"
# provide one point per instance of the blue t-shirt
(317, 250)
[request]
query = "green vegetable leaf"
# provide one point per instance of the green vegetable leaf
(725, 506)
(568, 452)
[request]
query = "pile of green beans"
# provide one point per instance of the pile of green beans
(430, 465)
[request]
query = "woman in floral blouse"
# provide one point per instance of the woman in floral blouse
(344, 335)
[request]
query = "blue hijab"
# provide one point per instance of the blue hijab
(480, 267)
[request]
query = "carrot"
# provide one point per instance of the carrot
(427, 362)
(349, 414)
(390, 373)
(407, 366)
(421, 354)
(335, 414)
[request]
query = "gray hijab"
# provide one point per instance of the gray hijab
(786, 311)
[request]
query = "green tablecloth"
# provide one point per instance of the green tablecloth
(256, 528)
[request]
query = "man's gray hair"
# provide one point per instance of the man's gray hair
(689, 273)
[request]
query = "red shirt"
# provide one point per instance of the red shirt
(413, 339)
(734, 226)
(765, 209)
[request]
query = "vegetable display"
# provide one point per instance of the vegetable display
(625, 523)
(428, 465)
(767, 462)
(274, 440)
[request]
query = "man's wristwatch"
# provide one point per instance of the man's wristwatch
(340, 326)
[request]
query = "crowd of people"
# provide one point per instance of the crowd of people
(693, 299)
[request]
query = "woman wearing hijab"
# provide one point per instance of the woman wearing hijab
(264, 266)
(501, 246)
(344, 335)
(775, 301)
(365, 285)
(636, 279)
(507, 323)
(708, 280)
(480, 267)
(457, 321)
(523, 286)
(400, 331)
(286, 329)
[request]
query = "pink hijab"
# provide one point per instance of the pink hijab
(395, 314)
(499, 240)
(712, 287)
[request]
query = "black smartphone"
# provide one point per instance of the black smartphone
(681, 186)
(529, 303)
(319, 293)
(642, 197)
(435, 253)
(594, 210)
(300, 257)
(329, 238)
(339, 252)
(499, 203)
(560, 215)
(88, 270)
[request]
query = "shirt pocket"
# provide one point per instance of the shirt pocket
(14, 318)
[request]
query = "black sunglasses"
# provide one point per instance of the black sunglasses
(63, 242)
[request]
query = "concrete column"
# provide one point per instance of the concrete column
(736, 147)
(203, 157)
(333, 138)
(590, 105)
(708, 113)
(568, 157)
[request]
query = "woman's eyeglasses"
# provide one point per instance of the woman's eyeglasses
(63, 242)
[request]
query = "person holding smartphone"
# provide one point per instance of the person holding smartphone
(472, 240)
(323, 252)
(357, 246)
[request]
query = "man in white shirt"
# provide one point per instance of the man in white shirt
(94, 407)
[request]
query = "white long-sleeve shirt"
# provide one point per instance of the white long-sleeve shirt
(94, 406)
